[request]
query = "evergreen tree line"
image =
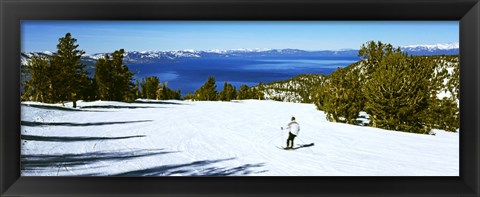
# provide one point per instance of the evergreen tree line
(62, 77)
(151, 88)
(397, 90)
(208, 92)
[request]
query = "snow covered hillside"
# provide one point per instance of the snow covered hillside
(302, 88)
(299, 89)
(181, 138)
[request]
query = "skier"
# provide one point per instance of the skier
(293, 129)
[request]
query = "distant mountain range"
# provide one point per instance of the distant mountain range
(142, 57)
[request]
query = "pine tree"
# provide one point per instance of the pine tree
(228, 93)
(454, 82)
(113, 79)
(71, 77)
(231, 92)
(189, 96)
(137, 89)
(124, 87)
(243, 92)
(60, 78)
(103, 76)
(90, 91)
(255, 93)
(444, 113)
(221, 95)
(343, 98)
(150, 86)
(143, 88)
(39, 86)
(373, 53)
(208, 91)
(165, 93)
(397, 93)
(454, 103)
(162, 93)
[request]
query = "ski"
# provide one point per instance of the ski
(297, 147)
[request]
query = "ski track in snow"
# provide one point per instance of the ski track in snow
(182, 138)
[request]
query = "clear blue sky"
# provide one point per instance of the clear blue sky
(107, 36)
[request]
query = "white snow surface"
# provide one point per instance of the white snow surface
(238, 138)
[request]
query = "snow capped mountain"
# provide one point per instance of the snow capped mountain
(47, 53)
(237, 50)
(141, 57)
(432, 47)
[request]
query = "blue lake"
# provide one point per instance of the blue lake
(189, 74)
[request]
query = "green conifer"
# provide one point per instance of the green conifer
(113, 79)
(208, 91)
(39, 86)
(397, 93)
(243, 92)
(72, 78)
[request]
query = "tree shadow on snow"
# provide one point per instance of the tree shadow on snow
(40, 162)
(115, 107)
(197, 168)
(57, 108)
(41, 124)
(158, 102)
(72, 139)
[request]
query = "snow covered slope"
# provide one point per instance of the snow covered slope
(181, 138)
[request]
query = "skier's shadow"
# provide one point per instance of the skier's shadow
(303, 146)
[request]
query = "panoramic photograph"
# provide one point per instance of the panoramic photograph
(240, 98)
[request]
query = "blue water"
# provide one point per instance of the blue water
(189, 74)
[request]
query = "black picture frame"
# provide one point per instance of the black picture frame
(13, 11)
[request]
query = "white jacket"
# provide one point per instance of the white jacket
(293, 127)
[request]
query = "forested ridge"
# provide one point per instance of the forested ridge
(399, 91)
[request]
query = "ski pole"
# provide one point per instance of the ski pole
(271, 137)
